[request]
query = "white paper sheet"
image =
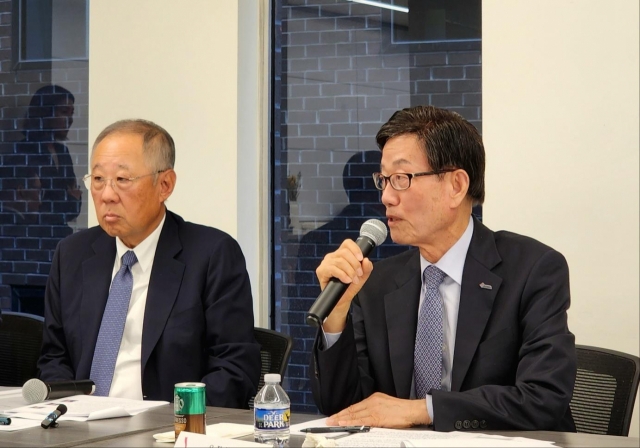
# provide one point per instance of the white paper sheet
(225, 430)
(6, 392)
(394, 437)
(11, 398)
(417, 437)
(190, 439)
(481, 440)
(18, 424)
(84, 408)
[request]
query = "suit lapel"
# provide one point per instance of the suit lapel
(164, 285)
(96, 280)
(401, 309)
(476, 302)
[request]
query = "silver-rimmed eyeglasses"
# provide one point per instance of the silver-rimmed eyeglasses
(402, 181)
(97, 183)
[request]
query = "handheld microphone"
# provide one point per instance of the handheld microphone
(35, 390)
(372, 233)
(50, 419)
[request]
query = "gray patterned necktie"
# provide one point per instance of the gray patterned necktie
(427, 356)
(112, 326)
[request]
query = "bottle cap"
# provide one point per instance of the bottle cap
(271, 377)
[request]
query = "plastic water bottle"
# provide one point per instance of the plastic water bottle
(271, 412)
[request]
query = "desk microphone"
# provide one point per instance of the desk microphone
(35, 390)
(372, 233)
(50, 420)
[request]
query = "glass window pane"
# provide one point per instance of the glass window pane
(338, 76)
(43, 142)
(436, 20)
(51, 30)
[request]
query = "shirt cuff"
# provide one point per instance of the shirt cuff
(429, 399)
(330, 339)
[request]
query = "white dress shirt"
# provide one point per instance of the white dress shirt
(452, 264)
(127, 375)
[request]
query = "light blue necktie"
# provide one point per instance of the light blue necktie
(112, 326)
(427, 356)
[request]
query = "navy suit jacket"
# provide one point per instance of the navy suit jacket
(198, 319)
(514, 363)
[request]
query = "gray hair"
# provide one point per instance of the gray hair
(158, 147)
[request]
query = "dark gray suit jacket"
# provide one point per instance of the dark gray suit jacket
(514, 363)
(198, 320)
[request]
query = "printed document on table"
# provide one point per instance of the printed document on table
(428, 438)
(190, 439)
(222, 430)
(83, 408)
(419, 437)
(480, 440)
(396, 437)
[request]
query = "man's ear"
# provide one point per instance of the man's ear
(167, 182)
(459, 181)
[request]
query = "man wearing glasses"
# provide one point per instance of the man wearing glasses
(147, 300)
(468, 331)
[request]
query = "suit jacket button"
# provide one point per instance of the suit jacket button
(466, 424)
(458, 424)
(483, 424)
(475, 424)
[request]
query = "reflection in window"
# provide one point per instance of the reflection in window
(338, 76)
(437, 20)
(43, 141)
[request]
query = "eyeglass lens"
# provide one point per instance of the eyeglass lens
(399, 181)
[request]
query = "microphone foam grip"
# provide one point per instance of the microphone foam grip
(35, 391)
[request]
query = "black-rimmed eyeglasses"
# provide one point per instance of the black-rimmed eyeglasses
(402, 181)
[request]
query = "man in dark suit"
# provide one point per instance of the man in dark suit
(468, 331)
(188, 313)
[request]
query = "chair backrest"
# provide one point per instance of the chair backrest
(275, 349)
(605, 391)
(20, 345)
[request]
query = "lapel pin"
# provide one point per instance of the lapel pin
(483, 285)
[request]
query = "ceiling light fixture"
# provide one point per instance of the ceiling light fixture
(382, 5)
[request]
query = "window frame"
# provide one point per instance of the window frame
(40, 64)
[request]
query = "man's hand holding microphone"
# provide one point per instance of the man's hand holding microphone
(342, 274)
(351, 267)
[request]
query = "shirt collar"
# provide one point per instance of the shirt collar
(144, 251)
(452, 262)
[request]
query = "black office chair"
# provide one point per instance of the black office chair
(275, 349)
(20, 344)
(605, 391)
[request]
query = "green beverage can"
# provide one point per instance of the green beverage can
(189, 408)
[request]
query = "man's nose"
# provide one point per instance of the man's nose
(109, 192)
(389, 195)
